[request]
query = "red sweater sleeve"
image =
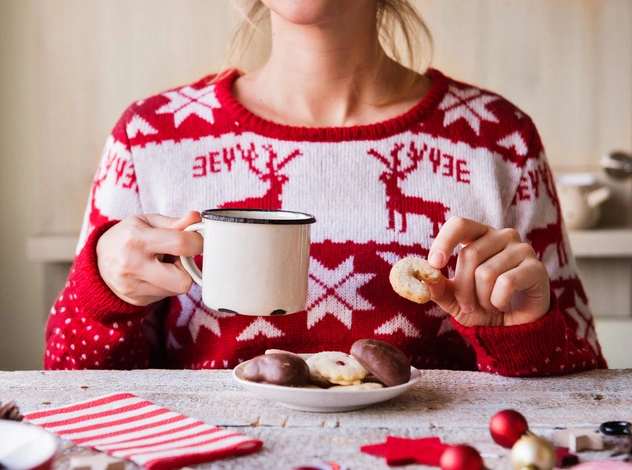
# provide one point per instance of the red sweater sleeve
(564, 340)
(544, 347)
(89, 327)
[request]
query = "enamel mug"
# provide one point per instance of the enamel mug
(255, 261)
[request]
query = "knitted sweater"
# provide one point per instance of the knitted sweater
(379, 192)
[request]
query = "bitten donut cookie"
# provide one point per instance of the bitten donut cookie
(385, 361)
(285, 369)
(336, 367)
(409, 275)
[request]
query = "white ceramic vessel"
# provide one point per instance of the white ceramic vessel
(256, 262)
(580, 200)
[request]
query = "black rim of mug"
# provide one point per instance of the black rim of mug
(300, 218)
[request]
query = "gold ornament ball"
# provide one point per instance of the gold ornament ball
(532, 452)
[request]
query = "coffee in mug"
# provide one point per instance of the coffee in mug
(255, 261)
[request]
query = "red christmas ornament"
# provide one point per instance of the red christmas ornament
(461, 457)
(506, 427)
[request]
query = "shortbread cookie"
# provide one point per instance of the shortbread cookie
(318, 380)
(280, 351)
(362, 386)
(314, 377)
(337, 367)
(409, 276)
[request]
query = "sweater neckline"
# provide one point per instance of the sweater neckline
(248, 121)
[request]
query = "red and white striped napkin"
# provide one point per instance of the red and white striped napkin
(128, 427)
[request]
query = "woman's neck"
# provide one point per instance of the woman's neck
(329, 75)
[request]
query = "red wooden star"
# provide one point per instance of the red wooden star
(403, 451)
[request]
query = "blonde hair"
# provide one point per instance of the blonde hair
(397, 21)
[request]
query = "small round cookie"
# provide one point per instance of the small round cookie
(285, 369)
(362, 386)
(371, 379)
(409, 275)
(318, 380)
(280, 351)
(314, 377)
(383, 360)
(336, 367)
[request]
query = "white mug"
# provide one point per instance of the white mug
(255, 262)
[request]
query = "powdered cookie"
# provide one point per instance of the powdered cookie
(362, 386)
(336, 367)
(409, 275)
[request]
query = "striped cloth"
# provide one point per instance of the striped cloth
(128, 427)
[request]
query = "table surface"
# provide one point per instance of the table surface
(455, 406)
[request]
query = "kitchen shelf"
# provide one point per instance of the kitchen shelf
(597, 243)
(601, 243)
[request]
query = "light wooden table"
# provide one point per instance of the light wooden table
(456, 406)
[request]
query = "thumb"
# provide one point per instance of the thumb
(162, 221)
(442, 293)
(192, 217)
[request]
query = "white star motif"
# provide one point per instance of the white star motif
(187, 101)
(583, 328)
(576, 314)
(195, 314)
(437, 311)
(202, 319)
(516, 141)
(259, 326)
(398, 322)
(592, 339)
(172, 342)
(469, 104)
(335, 292)
(138, 124)
(388, 256)
(446, 326)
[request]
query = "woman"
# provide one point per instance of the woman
(392, 163)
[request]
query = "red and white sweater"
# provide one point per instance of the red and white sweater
(379, 192)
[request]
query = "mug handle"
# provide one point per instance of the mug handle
(187, 261)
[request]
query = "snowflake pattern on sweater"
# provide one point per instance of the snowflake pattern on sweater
(380, 192)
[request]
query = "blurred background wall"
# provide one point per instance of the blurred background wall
(68, 68)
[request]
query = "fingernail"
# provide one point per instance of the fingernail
(436, 259)
(466, 308)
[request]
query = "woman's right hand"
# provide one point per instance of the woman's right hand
(139, 258)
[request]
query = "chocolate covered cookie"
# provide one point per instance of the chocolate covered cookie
(285, 369)
(383, 360)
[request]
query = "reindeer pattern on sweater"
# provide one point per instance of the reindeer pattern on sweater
(379, 193)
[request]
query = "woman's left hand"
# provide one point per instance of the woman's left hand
(498, 279)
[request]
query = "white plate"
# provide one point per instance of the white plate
(25, 446)
(322, 400)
